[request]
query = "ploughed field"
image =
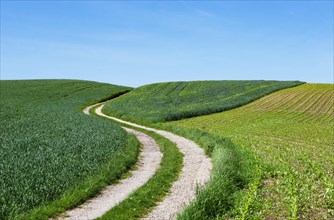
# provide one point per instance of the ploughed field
(50, 151)
(292, 132)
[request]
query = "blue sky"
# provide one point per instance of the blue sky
(139, 42)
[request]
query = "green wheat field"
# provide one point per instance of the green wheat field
(271, 145)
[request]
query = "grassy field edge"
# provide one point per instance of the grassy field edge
(106, 98)
(235, 172)
(92, 186)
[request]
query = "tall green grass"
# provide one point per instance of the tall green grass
(177, 100)
(234, 170)
(50, 151)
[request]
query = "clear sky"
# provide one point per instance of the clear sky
(138, 42)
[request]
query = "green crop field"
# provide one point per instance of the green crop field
(176, 100)
(271, 144)
(50, 151)
(292, 133)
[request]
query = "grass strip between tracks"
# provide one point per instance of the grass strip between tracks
(145, 198)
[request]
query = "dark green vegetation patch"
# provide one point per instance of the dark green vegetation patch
(177, 100)
(48, 146)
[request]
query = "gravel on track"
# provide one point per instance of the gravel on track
(149, 161)
(195, 173)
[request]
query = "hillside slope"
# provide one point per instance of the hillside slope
(49, 148)
(176, 100)
(292, 131)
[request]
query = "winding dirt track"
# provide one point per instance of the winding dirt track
(195, 173)
(149, 161)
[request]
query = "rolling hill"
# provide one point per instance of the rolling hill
(162, 102)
